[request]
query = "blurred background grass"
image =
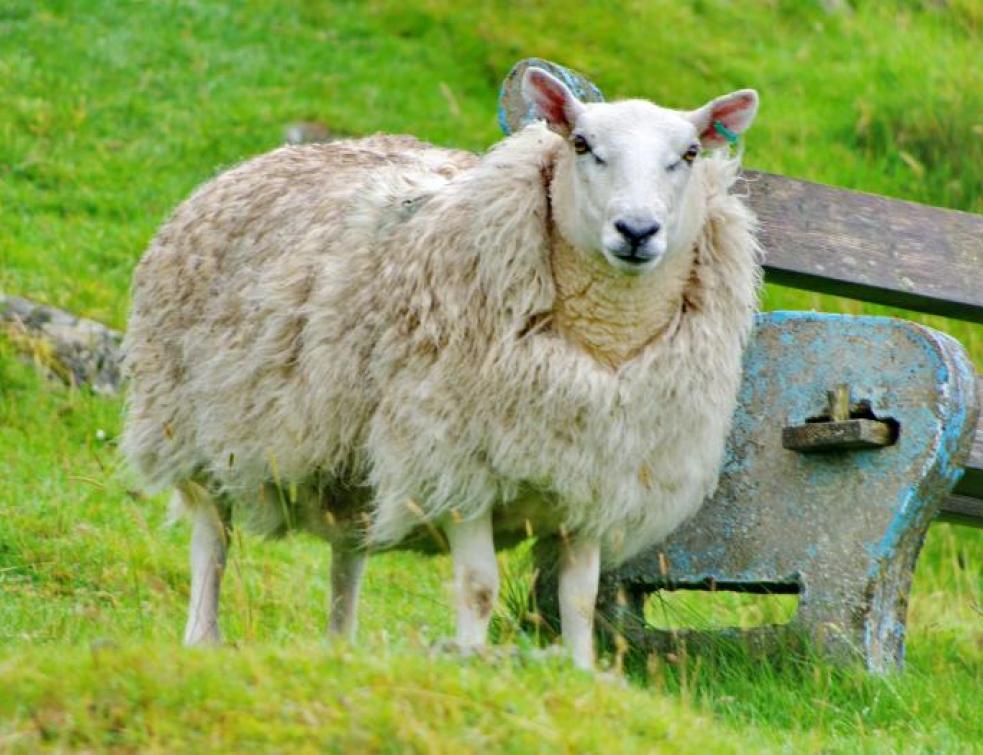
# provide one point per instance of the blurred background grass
(112, 112)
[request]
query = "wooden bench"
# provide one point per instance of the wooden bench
(841, 528)
(887, 251)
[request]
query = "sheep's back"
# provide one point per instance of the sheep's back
(250, 309)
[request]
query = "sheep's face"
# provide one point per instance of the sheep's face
(626, 190)
(623, 186)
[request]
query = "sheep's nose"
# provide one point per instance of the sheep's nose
(635, 235)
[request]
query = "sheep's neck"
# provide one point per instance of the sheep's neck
(610, 315)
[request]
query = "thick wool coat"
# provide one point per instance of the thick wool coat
(357, 337)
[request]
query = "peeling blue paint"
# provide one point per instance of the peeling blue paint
(844, 526)
(514, 113)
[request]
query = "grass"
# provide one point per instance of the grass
(113, 111)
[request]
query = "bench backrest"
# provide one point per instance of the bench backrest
(848, 243)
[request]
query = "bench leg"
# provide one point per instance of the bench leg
(862, 615)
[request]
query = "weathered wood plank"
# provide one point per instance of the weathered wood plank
(965, 504)
(960, 509)
(972, 481)
(971, 484)
(868, 247)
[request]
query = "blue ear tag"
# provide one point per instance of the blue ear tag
(725, 132)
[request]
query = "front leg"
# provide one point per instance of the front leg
(475, 578)
(580, 570)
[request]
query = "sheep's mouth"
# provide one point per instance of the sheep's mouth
(634, 260)
(635, 257)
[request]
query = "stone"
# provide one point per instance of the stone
(74, 349)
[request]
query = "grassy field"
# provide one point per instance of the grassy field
(111, 111)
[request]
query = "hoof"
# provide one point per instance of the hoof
(449, 647)
(548, 653)
(211, 638)
(611, 678)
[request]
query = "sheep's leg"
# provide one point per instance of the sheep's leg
(580, 569)
(475, 578)
(347, 568)
(209, 548)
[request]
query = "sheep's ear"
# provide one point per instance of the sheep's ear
(722, 119)
(549, 99)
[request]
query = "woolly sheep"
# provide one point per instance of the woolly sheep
(378, 338)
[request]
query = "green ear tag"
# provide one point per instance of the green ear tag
(725, 132)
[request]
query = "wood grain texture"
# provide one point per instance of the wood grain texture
(869, 247)
(965, 504)
(960, 509)
(971, 483)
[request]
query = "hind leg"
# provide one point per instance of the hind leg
(209, 548)
(347, 568)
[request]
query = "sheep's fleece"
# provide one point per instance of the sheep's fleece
(356, 336)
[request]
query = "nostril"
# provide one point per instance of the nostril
(624, 229)
(649, 232)
(634, 235)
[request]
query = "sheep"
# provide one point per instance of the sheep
(388, 343)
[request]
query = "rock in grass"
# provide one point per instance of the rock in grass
(75, 350)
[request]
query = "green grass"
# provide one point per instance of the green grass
(111, 112)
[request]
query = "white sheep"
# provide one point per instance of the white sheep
(378, 338)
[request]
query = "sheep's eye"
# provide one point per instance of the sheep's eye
(690, 154)
(580, 145)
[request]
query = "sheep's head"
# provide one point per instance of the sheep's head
(623, 184)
